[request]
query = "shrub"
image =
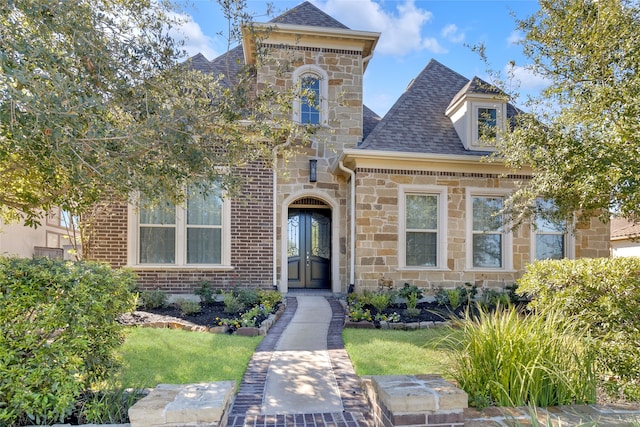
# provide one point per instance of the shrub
(153, 299)
(604, 295)
(188, 307)
(408, 291)
(270, 298)
(510, 359)
(205, 292)
(455, 298)
(248, 297)
(232, 304)
(59, 334)
(381, 300)
(411, 312)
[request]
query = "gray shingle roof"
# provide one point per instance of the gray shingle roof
(417, 122)
(307, 14)
(369, 121)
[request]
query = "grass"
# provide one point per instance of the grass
(154, 356)
(393, 352)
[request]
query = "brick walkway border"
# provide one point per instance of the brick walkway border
(246, 407)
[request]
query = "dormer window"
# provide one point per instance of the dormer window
(311, 106)
(487, 121)
(478, 113)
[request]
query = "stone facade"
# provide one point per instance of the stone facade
(378, 230)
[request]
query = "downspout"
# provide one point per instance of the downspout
(352, 239)
(274, 210)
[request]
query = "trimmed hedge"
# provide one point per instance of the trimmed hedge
(604, 295)
(58, 334)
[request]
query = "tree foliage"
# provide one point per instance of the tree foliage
(94, 104)
(582, 138)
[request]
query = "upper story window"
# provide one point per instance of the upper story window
(550, 239)
(195, 233)
(311, 106)
(489, 240)
(309, 102)
(423, 240)
(487, 123)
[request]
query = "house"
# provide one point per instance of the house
(625, 238)
(53, 238)
(405, 198)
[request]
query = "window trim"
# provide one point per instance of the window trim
(441, 251)
(507, 235)
(181, 226)
(500, 108)
(323, 80)
(569, 243)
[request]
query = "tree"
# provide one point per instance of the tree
(582, 138)
(95, 105)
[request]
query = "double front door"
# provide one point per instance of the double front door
(309, 248)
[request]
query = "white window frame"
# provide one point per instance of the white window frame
(507, 236)
(323, 79)
(441, 251)
(133, 250)
(569, 242)
(501, 119)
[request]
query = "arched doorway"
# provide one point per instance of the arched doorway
(309, 245)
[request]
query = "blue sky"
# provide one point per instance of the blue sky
(413, 32)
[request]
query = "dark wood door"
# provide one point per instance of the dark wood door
(309, 248)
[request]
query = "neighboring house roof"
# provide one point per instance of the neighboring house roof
(622, 229)
(417, 122)
(307, 14)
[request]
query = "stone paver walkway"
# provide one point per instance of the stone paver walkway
(343, 403)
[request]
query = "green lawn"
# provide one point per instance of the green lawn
(153, 356)
(392, 352)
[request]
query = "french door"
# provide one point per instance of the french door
(309, 248)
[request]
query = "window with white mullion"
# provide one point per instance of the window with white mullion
(157, 234)
(487, 232)
(550, 236)
(421, 228)
(204, 229)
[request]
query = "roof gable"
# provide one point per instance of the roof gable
(417, 121)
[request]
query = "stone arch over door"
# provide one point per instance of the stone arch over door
(322, 205)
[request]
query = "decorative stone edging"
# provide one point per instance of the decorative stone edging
(363, 324)
(176, 323)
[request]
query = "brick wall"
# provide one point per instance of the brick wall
(251, 242)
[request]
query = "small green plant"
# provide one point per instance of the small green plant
(269, 298)
(408, 290)
(232, 305)
(412, 312)
(492, 298)
(188, 307)
(107, 406)
(254, 316)
(248, 297)
(412, 300)
(205, 292)
(357, 313)
(381, 300)
(455, 297)
(154, 299)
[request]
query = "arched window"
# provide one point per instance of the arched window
(311, 106)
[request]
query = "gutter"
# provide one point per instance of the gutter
(352, 239)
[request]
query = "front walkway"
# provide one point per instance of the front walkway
(306, 349)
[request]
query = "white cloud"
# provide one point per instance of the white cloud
(401, 28)
(452, 33)
(195, 41)
(514, 38)
(527, 80)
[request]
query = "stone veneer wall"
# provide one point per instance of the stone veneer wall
(251, 242)
(377, 231)
(343, 129)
